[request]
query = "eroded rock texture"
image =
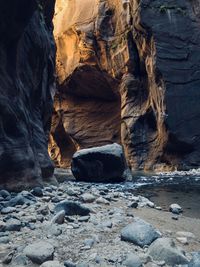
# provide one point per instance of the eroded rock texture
(166, 129)
(87, 105)
(144, 52)
(26, 91)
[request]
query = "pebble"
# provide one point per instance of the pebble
(182, 240)
(43, 210)
(175, 217)
(4, 240)
(132, 261)
(20, 260)
(133, 205)
(89, 242)
(37, 191)
(84, 218)
(72, 208)
(102, 200)
(69, 264)
(150, 204)
(88, 198)
(5, 194)
(8, 258)
(188, 235)
(13, 225)
(59, 217)
(107, 224)
(158, 208)
(160, 263)
(175, 208)
(52, 264)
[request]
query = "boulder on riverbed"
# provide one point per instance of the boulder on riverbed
(164, 249)
(39, 252)
(100, 164)
(139, 233)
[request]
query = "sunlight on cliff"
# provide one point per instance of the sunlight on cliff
(72, 17)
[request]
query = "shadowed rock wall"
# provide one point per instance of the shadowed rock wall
(167, 36)
(145, 52)
(27, 55)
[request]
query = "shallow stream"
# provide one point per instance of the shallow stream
(164, 189)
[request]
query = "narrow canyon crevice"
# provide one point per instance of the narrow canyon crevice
(135, 51)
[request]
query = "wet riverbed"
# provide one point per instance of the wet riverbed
(179, 187)
(163, 189)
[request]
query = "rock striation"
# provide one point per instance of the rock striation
(27, 54)
(128, 71)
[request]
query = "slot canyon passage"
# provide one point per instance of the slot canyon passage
(124, 73)
(96, 91)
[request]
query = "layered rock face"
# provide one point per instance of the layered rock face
(128, 71)
(27, 55)
(166, 130)
(87, 105)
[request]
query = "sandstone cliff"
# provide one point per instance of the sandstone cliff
(130, 66)
(26, 91)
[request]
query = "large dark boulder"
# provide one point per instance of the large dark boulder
(27, 55)
(99, 164)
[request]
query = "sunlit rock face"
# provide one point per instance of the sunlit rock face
(128, 71)
(26, 92)
(87, 104)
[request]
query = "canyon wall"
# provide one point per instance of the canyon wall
(27, 55)
(128, 72)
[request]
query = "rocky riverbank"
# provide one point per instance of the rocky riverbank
(82, 224)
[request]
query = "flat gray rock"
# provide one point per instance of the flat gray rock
(69, 264)
(139, 233)
(39, 252)
(13, 225)
(52, 264)
(4, 240)
(88, 198)
(164, 249)
(132, 260)
(72, 208)
(8, 210)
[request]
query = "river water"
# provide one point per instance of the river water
(175, 187)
